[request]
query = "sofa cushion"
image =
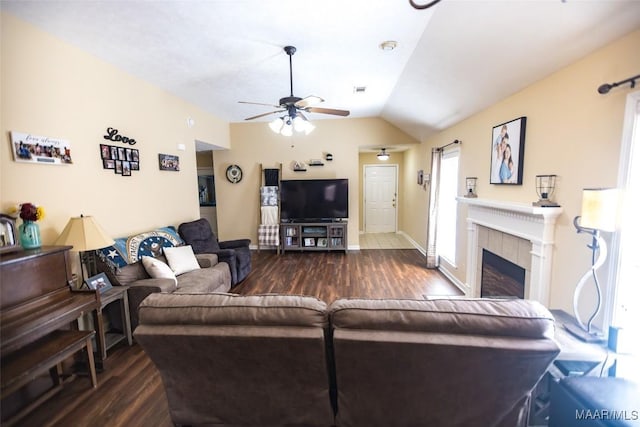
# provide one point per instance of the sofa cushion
(158, 269)
(207, 260)
(205, 280)
(181, 259)
(230, 309)
(128, 274)
(521, 318)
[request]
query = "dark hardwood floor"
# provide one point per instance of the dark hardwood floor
(391, 273)
(130, 390)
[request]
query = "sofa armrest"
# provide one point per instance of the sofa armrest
(140, 289)
(228, 256)
(232, 244)
(154, 285)
(207, 260)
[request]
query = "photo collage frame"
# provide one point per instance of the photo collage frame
(122, 160)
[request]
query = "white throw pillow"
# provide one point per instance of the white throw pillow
(181, 259)
(158, 269)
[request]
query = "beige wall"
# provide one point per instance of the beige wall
(255, 143)
(572, 131)
(53, 89)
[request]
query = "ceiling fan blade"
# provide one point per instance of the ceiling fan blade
(264, 114)
(303, 116)
(308, 101)
(258, 103)
(335, 112)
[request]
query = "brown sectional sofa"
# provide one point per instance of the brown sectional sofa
(213, 276)
(276, 360)
(122, 263)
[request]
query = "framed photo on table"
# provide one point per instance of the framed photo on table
(99, 282)
(507, 152)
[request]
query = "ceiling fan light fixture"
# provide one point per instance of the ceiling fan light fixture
(300, 124)
(287, 130)
(383, 155)
(276, 124)
(309, 127)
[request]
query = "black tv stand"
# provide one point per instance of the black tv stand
(314, 236)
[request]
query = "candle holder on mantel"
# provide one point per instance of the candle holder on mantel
(545, 186)
(471, 186)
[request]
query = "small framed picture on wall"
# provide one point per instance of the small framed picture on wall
(168, 162)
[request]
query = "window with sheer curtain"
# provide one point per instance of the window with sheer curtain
(448, 206)
(626, 304)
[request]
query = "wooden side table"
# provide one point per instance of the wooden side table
(571, 349)
(105, 340)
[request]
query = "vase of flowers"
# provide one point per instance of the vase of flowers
(29, 230)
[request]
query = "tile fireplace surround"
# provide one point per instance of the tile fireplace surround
(513, 229)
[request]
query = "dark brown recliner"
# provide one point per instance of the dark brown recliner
(202, 239)
(438, 363)
(230, 360)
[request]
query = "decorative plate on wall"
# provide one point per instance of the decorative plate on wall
(234, 174)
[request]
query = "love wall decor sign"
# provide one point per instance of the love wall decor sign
(120, 159)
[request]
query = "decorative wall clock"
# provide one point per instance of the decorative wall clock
(234, 174)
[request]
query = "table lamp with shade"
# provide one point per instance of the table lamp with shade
(599, 213)
(85, 235)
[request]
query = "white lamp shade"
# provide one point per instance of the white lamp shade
(287, 130)
(276, 125)
(298, 124)
(600, 208)
(84, 234)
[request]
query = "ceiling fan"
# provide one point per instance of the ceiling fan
(293, 107)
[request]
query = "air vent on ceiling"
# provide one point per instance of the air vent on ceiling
(359, 89)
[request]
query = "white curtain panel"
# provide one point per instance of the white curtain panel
(432, 250)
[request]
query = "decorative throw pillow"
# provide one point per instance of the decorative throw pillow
(181, 259)
(158, 269)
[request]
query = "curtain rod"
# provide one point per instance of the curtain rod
(456, 141)
(606, 87)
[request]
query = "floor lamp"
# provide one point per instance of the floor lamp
(599, 213)
(85, 235)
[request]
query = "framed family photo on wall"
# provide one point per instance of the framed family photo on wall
(507, 152)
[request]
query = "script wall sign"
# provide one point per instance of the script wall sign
(112, 135)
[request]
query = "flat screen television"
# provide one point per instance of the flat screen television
(309, 200)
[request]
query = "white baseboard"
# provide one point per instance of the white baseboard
(422, 250)
(460, 285)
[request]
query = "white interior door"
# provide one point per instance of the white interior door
(380, 198)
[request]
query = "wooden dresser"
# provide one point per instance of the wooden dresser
(38, 313)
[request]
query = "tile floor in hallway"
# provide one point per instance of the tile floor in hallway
(384, 241)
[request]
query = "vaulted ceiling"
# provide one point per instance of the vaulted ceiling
(451, 60)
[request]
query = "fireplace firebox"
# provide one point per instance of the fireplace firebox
(501, 278)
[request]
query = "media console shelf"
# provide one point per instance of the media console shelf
(314, 236)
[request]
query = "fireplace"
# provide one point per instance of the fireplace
(520, 233)
(500, 277)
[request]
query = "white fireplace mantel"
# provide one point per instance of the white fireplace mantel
(533, 223)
